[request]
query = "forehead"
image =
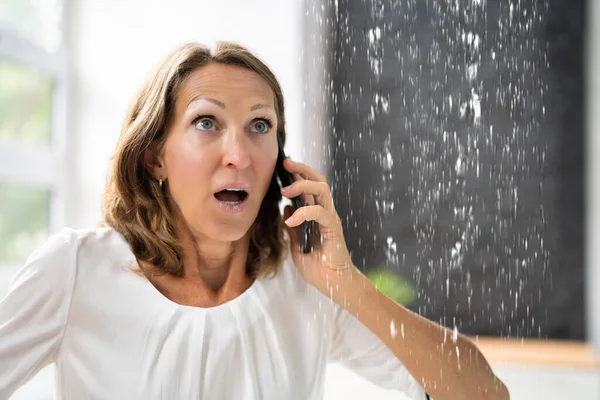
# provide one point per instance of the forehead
(225, 82)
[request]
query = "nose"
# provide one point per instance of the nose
(236, 149)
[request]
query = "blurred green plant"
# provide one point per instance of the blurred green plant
(25, 104)
(392, 284)
(24, 221)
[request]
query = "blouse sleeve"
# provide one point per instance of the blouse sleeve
(34, 313)
(355, 347)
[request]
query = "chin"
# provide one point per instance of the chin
(230, 236)
(226, 232)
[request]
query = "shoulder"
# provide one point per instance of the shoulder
(49, 270)
(289, 280)
(69, 239)
(101, 253)
(87, 242)
(100, 243)
(52, 256)
(59, 256)
(303, 296)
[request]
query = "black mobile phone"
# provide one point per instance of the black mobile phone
(285, 178)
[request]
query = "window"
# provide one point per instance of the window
(33, 82)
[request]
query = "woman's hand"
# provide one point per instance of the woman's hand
(329, 262)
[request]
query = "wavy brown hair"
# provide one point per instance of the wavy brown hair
(135, 205)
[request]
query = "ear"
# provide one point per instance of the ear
(154, 163)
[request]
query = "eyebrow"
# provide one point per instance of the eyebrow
(220, 104)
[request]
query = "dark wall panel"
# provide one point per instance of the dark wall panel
(457, 156)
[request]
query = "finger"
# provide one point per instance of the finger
(303, 170)
(318, 191)
(307, 199)
(315, 213)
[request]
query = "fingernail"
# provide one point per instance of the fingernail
(287, 221)
(285, 189)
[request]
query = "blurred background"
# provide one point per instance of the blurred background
(459, 138)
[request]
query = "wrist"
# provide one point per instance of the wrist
(347, 286)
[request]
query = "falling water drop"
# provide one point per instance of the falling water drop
(454, 335)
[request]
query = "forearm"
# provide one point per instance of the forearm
(447, 367)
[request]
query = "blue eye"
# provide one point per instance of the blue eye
(204, 123)
(262, 125)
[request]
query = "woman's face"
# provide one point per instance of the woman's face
(223, 131)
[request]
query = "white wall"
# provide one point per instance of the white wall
(115, 43)
(592, 171)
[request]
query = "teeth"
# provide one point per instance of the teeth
(235, 190)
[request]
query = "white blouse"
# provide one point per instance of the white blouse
(113, 335)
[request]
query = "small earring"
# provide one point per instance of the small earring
(160, 181)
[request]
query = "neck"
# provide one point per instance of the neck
(219, 265)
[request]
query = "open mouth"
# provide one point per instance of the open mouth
(231, 196)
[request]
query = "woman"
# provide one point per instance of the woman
(190, 290)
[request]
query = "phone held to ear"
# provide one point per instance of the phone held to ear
(285, 178)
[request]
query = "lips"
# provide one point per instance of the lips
(232, 196)
(233, 185)
(232, 192)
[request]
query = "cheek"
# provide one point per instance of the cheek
(187, 169)
(268, 169)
